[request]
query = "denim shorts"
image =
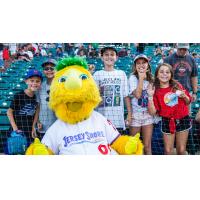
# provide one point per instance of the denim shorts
(141, 119)
(181, 124)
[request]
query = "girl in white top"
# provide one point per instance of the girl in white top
(141, 121)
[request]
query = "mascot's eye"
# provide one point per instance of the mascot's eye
(83, 76)
(62, 79)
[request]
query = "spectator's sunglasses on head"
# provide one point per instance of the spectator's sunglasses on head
(48, 69)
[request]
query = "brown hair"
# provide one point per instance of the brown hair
(173, 83)
(148, 72)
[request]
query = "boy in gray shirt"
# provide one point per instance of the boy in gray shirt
(46, 116)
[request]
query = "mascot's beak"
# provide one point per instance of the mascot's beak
(73, 81)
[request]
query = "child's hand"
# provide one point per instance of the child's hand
(39, 126)
(194, 97)
(181, 94)
(197, 118)
(18, 131)
(142, 75)
(150, 90)
(129, 118)
(33, 133)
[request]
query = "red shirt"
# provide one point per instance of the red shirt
(169, 105)
(6, 54)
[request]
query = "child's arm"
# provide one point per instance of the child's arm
(129, 109)
(151, 107)
(11, 119)
(35, 120)
(138, 91)
(185, 98)
(185, 95)
(198, 116)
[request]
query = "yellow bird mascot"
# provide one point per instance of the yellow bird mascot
(79, 129)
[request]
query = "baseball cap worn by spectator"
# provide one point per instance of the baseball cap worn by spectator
(104, 49)
(49, 61)
(33, 73)
(141, 56)
(183, 46)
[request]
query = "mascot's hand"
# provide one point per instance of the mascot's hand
(134, 145)
(128, 145)
(37, 148)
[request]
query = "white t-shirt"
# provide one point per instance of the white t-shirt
(12, 48)
(138, 105)
(30, 54)
(113, 86)
(91, 136)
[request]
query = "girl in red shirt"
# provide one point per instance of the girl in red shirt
(170, 100)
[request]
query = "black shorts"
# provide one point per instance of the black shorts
(181, 124)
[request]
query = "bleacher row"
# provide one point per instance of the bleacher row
(11, 82)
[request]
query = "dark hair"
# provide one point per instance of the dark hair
(173, 83)
(103, 50)
(194, 54)
(148, 73)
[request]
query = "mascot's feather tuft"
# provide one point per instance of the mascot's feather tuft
(66, 62)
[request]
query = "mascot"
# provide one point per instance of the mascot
(79, 129)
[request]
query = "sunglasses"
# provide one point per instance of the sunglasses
(48, 68)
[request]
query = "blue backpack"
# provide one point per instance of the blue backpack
(16, 143)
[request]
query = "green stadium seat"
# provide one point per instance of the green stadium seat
(4, 123)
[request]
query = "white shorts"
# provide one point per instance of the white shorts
(141, 119)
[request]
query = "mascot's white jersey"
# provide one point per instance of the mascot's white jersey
(91, 136)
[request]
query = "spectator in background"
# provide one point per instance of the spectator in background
(158, 51)
(185, 68)
(81, 51)
(6, 57)
(59, 52)
(27, 49)
(162, 59)
(13, 50)
(42, 51)
(23, 57)
(69, 48)
(50, 55)
(93, 53)
(122, 53)
(140, 48)
(195, 55)
(91, 68)
(6, 53)
(170, 52)
(46, 116)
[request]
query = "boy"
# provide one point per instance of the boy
(24, 109)
(46, 116)
(113, 89)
